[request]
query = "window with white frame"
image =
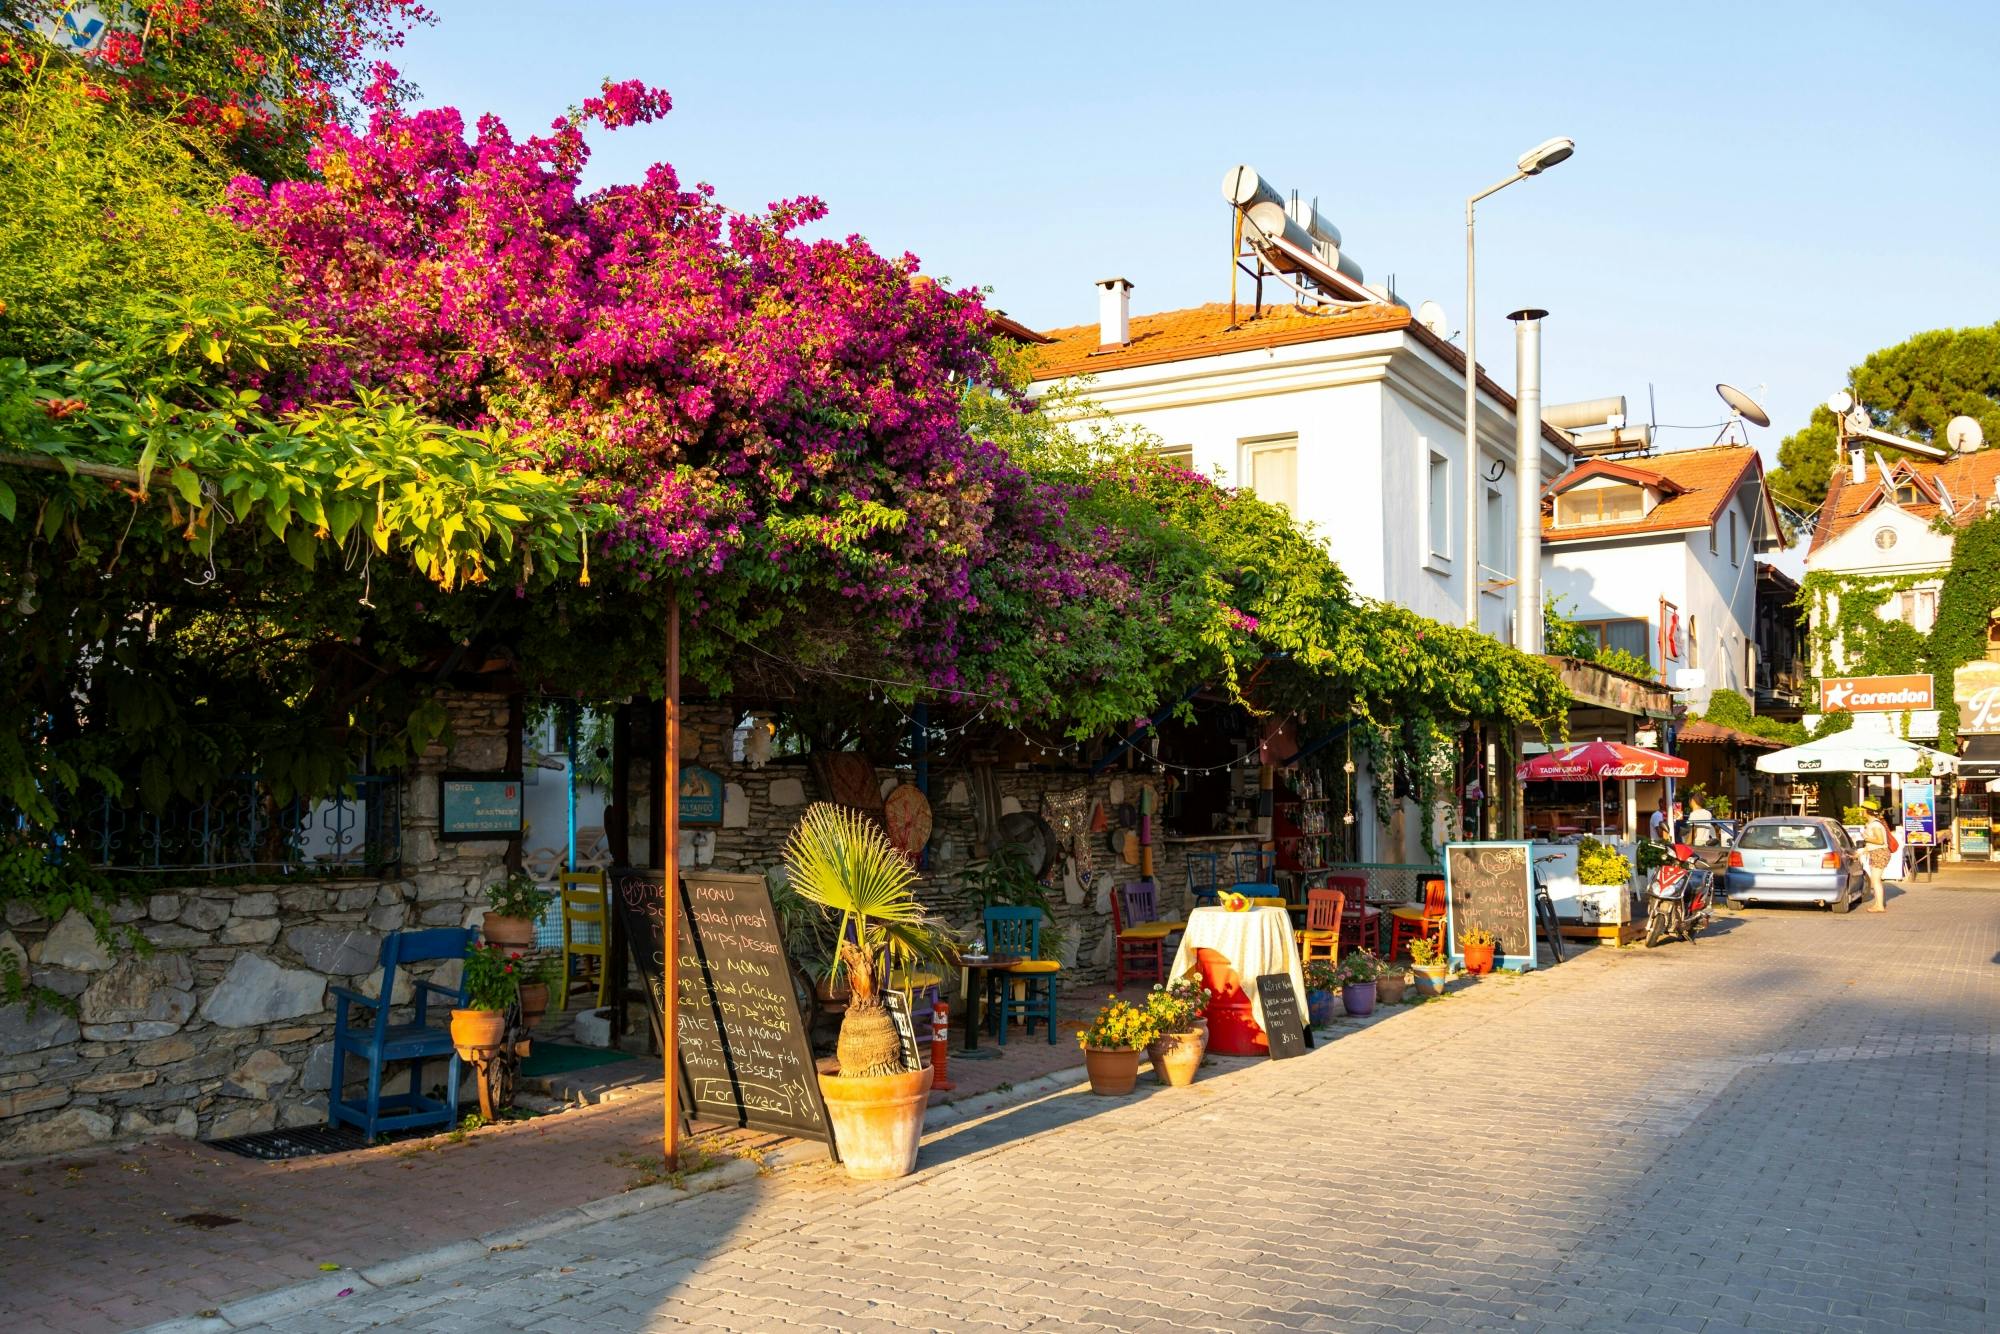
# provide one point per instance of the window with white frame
(1917, 608)
(1272, 469)
(1735, 541)
(1493, 532)
(1181, 456)
(1437, 526)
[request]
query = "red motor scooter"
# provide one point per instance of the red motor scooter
(1681, 899)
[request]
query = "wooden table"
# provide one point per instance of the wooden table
(984, 968)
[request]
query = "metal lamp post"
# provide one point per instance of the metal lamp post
(1531, 163)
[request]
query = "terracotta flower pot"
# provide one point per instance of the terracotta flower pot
(1390, 986)
(511, 933)
(1430, 978)
(1176, 1057)
(1114, 1071)
(534, 1002)
(878, 1120)
(472, 1029)
(1478, 959)
(1358, 998)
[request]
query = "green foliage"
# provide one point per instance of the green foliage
(1626, 661)
(1912, 389)
(1730, 708)
(1965, 607)
(1848, 632)
(109, 212)
(841, 860)
(519, 896)
(1599, 863)
(492, 977)
(1360, 967)
(1563, 637)
(1003, 880)
(1854, 815)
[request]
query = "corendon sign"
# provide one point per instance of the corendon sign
(1874, 694)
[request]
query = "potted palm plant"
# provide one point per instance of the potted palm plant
(1391, 983)
(1111, 1045)
(843, 861)
(1180, 1043)
(491, 981)
(1428, 967)
(512, 907)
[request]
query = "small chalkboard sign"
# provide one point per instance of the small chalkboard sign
(1284, 1027)
(906, 1029)
(1489, 885)
(479, 805)
(744, 1054)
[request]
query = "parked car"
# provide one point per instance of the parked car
(1712, 841)
(1795, 859)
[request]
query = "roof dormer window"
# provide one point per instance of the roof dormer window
(1908, 493)
(1600, 504)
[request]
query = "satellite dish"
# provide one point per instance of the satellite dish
(1964, 434)
(1431, 315)
(1858, 420)
(1744, 406)
(1839, 402)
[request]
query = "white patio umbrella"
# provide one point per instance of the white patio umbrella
(1855, 752)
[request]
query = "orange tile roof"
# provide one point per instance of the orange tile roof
(1206, 331)
(1707, 478)
(1715, 734)
(1969, 478)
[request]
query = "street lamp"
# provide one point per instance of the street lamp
(1531, 163)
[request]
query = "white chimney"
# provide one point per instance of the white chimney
(1114, 313)
(1857, 468)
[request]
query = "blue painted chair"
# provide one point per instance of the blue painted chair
(380, 1041)
(1257, 864)
(1017, 933)
(1204, 878)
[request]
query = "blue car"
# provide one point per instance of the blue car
(1804, 859)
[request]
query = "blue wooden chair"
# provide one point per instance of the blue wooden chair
(379, 1041)
(1204, 878)
(1017, 933)
(1257, 864)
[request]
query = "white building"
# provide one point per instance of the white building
(1867, 530)
(1656, 555)
(1352, 419)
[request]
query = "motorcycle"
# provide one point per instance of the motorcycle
(1681, 898)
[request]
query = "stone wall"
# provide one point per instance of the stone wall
(223, 1027)
(763, 804)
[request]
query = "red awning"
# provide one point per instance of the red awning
(1602, 759)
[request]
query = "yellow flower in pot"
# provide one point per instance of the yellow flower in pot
(841, 860)
(1111, 1045)
(1430, 968)
(1180, 1040)
(1477, 943)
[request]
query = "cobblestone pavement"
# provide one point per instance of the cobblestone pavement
(1787, 1126)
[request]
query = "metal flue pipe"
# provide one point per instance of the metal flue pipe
(1528, 479)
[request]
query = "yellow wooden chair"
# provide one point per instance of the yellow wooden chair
(584, 913)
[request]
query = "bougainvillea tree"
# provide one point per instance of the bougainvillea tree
(773, 420)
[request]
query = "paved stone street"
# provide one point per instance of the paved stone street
(1787, 1126)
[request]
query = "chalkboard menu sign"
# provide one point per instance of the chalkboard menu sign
(1284, 1027)
(479, 805)
(744, 1054)
(1490, 886)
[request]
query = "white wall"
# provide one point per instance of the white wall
(1858, 551)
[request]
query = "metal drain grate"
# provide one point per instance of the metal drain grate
(307, 1142)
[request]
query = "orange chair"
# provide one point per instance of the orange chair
(1410, 922)
(1321, 937)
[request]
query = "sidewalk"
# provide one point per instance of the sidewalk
(119, 1238)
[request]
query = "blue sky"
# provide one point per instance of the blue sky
(1762, 193)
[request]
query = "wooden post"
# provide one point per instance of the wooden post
(670, 845)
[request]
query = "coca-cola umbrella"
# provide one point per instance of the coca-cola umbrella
(1601, 760)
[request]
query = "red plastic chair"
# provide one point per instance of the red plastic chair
(1359, 921)
(1410, 922)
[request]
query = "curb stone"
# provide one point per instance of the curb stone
(314, 1293)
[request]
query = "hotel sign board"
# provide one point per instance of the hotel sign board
(1976, 687)
(1875, 694)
